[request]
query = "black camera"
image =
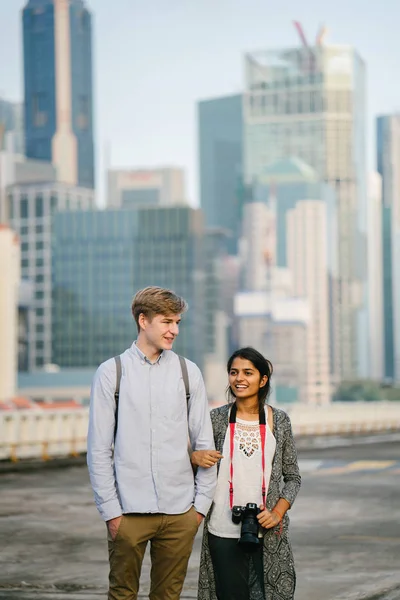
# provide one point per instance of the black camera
(247, 515)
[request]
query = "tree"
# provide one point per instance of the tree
(359, 390)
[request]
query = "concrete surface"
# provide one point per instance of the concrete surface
(345, 530)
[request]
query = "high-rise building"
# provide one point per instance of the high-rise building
(216, 319)
(141, 188)
(305, 275)
(15, 168)
(11, 126)
(101, 258)
(25, 306)
(309, 103)
(9, 284)
(57, 37)
(388, 158)
(277, 327)
(280, 187)
(31, 207)
(307, 257)
(375, 329)
(220, 130)
(258, 246)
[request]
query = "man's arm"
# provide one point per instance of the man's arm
(201, 438)
(100, 441)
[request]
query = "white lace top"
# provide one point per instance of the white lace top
(247, 475)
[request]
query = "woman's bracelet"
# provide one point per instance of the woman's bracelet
(275, 510)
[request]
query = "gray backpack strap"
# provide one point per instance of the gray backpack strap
(116, 393)
(185, 377)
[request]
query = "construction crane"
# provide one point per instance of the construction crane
(319, 40)
(310, 63)
(321, 36)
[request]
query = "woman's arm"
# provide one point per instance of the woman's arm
(290, 466)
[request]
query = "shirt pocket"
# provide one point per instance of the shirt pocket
(174, 406)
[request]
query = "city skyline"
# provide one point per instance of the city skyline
(145, 31)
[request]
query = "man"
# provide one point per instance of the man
(146, 490)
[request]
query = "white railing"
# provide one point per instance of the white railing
(43, 433)
(52, 433)
(345, 417)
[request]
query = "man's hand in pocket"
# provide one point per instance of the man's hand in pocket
(113, 526)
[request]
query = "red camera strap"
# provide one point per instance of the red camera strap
(263, 433)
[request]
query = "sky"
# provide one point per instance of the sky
(155, 59)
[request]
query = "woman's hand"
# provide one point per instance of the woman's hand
(205, 458)
(268, 519)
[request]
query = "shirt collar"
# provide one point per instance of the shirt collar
(135, 348)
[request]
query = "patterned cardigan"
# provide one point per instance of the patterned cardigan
(279, 572)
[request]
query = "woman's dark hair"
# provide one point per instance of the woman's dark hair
(263, 366)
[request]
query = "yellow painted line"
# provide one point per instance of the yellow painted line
(365, 465)
(359, 465)
(331, 471)
(369, 538)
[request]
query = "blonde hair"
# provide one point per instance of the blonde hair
(153, 300)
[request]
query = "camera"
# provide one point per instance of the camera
(247, 515)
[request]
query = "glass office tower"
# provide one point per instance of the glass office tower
(57, 36)
(101, 259)
(388, 155)
(220, 123)
(309, 103)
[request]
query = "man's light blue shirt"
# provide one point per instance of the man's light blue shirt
(151, 470)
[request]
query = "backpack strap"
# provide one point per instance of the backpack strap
(185, 377)
(116, 393)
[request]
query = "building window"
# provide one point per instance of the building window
(83, 115)
(39, 206)
(83, 21)
(39, 114)
(24, 207)
(10, 207)
(53, 204)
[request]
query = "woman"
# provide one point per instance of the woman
(228, 570)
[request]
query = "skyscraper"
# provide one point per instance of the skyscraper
(141, 188)
(57, 38)
(388, 155)
(31, 207)
(11, 127)
(307, 251)
(9, 282)
(101, 258)
(375, 345)
(220, 123)
(308, 103)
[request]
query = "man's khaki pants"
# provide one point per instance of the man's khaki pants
(171, 538)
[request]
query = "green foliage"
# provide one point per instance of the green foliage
(359, 390)
(391, 393)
